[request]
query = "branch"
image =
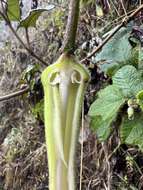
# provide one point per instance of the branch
(27, 37)
(71, 29)
(125, 21)
(19, 39)
(14, 94)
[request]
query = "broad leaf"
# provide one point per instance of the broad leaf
(118, 48)
(129, 80)
(30, 20)
(131, 131)
(102, 128)
(105, 109)
(117, 53)
(13, 10)
(111, 67)
(108, 103)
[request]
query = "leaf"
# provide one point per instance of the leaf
(102, 128)
(38, 110)
(30, 20)
(111, 67)
(139, 97)
(104, 110)
(131, 131)
(140, 66)
(29, 72)
(129, 80)
(117, 53)
(13, 10)
(118, 48)
(108, 103)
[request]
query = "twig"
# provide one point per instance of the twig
(111, 1)
(117, 20)
(20, 40)
(14, 94)
(124, 23)
(125, 12)
(27, 37)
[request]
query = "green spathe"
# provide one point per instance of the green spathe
(64, 83)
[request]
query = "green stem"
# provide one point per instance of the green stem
(71, 29)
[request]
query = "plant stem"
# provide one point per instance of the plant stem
(71, 29)
(14, 94)
(64, 97)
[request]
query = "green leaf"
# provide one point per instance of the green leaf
(131, 131)
(111, 67)
(139, 97)
(108, 103)
(140, 65)
(13, 10)
(29, 72)
(118, 48)
(117, 53)
(104, 110)
(129, 80)
(38, 110)
(30, 20)
(102, 128)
